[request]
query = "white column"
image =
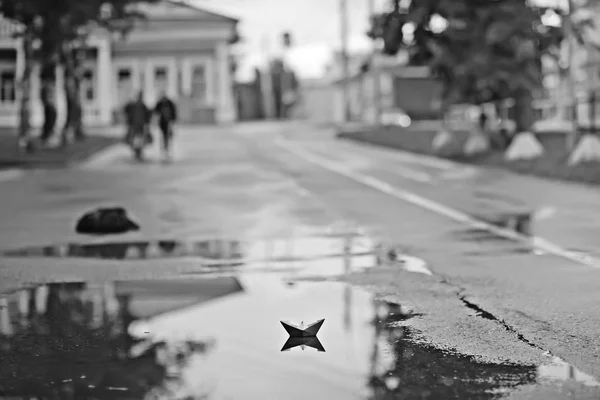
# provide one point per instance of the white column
(147, 83)
(104, 81)
(186, 78)
(37, 114)
(225, 106)
(41, 299)
(172, 91)
(137, 68)
(6, 327)
(20, 62)
(60, 98)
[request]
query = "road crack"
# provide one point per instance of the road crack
(482, 313)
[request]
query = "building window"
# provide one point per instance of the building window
(8, 93)
(199, 83)
(88, 87)
(160, 78)
(124, 75)
(124, 85)
(179, 83)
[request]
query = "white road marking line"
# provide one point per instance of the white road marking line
(537, 243)
(399, 170)
(421, 159)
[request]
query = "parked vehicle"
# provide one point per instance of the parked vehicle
(395, 117)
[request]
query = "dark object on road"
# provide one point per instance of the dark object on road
(301, 332)
(105, 221)
(520, 222)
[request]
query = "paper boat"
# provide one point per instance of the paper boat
(312, 341)
(302, 332)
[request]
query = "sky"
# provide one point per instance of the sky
(314, 25)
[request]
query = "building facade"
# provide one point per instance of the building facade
(411, 89)
(179, 49)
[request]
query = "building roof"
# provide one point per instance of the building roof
(181, 10)
(162, 10)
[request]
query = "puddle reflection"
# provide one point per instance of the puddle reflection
(217, 249)
(220, 337)
(309, 256)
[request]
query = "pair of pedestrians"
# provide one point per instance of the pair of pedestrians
(139, 119)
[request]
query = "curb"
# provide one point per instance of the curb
(97, 160)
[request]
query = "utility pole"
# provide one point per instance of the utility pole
(374, 70)
(571, 136)
(344, 53)
(267, 84)
(284, 100)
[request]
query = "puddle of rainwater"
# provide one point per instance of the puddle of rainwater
(503, 246)
(293, 258)
(500, 252)
(322, 256)
(286, 249)
(217, 249)
(479, 235)
(221, 337)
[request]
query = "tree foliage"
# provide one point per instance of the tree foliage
(488, 48)
(55, 31)
(485, 49)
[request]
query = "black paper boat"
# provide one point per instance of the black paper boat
(301, 332)
(311, 341)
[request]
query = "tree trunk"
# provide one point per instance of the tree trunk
(25, 92)
(67, 130)
(73, 124)
(47, 96)
(524, 113)
(501, 131)
(77, 111)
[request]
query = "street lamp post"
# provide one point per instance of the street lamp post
(344, 51)
(374, 70)
(571, 136)
(592, 111)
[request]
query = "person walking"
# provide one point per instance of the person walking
(166, 111)
(483, 121)
(137, 117)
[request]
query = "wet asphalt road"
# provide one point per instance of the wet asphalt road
(266, 186)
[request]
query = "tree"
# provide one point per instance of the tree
(580, 29)
(77, 22)
(54, 32)
(481, 50)
(25, 14)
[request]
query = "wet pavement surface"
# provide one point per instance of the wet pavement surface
(231, 231)
(221, 338)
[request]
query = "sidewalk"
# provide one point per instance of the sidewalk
(552, 164)
(12, 158)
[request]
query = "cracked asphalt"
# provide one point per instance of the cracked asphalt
(496, 299)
